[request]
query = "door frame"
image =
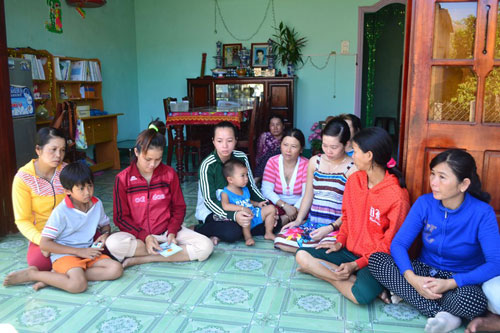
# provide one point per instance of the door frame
(362, 10)
(359, 55)
(7, 149)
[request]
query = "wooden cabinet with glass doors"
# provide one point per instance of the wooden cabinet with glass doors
(277, 93)
(454, 89)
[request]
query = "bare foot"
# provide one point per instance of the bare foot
(269, 236)
(39, 285)
(489, 323)
(384, 296)
(18, 277)
(129, 262)
(249, 242)
(215, 240)
(300, 269)
(395, 299)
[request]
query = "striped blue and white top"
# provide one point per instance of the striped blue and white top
(328, 191)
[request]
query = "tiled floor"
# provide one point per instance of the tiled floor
(238, 289)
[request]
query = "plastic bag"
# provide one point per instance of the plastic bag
(81, 140)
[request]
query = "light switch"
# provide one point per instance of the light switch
(344, 47)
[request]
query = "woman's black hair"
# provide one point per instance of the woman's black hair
(337, 127)
(355, 121)
(463, 166)
(225, 124)
(154, 136)
(45, 134)
(275, 116)
(297, 134)
(378, 141)
(76, 173)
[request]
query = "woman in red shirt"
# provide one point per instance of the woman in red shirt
(149, 208)
(374, 206)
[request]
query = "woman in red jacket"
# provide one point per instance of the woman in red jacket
(149, 208)
(374, 206)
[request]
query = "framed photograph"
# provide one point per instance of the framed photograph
(230, 57)
(260, 52)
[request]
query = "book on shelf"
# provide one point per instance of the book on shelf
(37, 72)
(65, 69)
(57, 68)
(95, 71)
(77, 71)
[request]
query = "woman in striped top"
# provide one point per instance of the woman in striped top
(285, 176)
(322, 201)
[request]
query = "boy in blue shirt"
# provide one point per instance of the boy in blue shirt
(236, 197)
(68, 238)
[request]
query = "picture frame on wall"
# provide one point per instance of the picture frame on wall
(260, 54)
(230, 55)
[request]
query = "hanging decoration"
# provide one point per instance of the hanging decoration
(217, 10)
(55, 17)
(81, 12)
(373, 26)
(86, 3)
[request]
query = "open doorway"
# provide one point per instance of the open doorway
(380, 66)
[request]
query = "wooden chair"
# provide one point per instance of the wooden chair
(191, 146)
(250, 132)
(65, 119)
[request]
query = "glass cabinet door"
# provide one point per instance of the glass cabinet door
(238, 94)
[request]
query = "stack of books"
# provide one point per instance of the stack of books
(37, 72)
(81, 70)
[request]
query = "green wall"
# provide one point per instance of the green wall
(107, 33)
(172, 35)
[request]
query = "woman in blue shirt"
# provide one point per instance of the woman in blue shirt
(460, 246)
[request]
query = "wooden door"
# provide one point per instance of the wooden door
(454, 89)
(200, 92)
(280, 100)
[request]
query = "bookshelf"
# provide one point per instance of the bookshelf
(52, 89)
(86, 89)
(83, 87)
(42, 73)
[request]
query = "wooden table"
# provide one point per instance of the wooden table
(201, 116)
(100, 131)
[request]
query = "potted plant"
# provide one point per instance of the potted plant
(315, 139)
(288, 46)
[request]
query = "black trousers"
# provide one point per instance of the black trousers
(466, 302)
(228, 230)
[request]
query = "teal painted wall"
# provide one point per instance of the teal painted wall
(172, 35)
(107, 33)
(149, 47)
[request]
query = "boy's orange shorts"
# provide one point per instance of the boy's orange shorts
(64, 264)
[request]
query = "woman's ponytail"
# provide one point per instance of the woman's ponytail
(378, 141)
(154, 136)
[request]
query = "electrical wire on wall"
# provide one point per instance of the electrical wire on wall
(309, 58)
(217, 10)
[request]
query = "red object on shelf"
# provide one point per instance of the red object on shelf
(86, 3)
